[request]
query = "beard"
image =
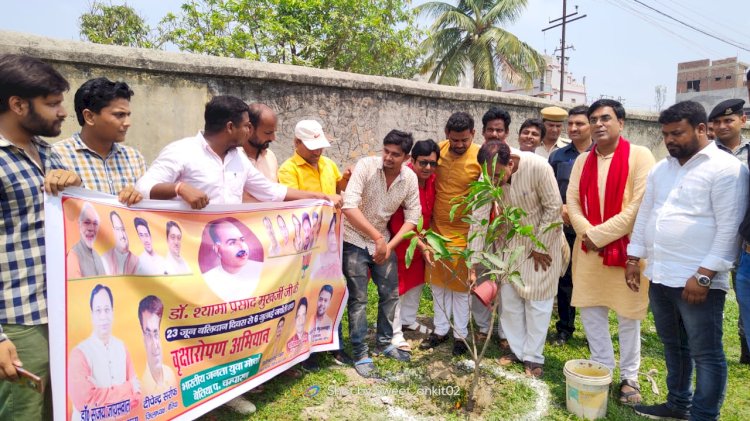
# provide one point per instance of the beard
(35, 124)
(684, 151)
(259, 145)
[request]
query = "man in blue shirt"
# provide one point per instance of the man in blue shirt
(562, 161)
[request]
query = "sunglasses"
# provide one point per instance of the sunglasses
(423, 163)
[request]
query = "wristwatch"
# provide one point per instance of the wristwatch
(703, 280)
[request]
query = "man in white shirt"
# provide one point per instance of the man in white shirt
(119, 260)
(236, 276)
(687, 230)
(209, 167)
(323, 323)
(149, 262)
(174, 263)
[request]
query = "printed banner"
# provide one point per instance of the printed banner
(168, 313)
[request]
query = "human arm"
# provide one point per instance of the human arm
(129, 196)
(622, 223)
(637, 246)
(344, 180)
(550, 201)
(352, 201)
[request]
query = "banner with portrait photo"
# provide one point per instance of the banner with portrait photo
(165, 312)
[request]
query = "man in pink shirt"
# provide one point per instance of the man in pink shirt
(209, 167)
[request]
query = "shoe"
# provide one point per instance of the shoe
(311, 364)
(560, 338)
(432, 341)
(480, 338)
(459, 348)
(341, 358)
(416, 327)
(241, 406)
(365, 368)
(396, 354)
(660, 412)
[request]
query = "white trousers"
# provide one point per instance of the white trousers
(406, 313)
(483, 314)
(447, 303)
(596, 325)
(525, 323)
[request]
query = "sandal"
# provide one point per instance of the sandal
(533, 369)
(391, 351)
(631, 397)
(509, 359)
(365, 368)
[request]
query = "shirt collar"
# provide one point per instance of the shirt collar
(39, 142)
(299, 160)
(80, 145)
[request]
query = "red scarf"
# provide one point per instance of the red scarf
(614, 253)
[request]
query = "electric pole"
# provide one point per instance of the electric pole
(565, 20)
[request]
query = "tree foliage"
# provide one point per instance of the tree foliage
(362, 36)
(117, 25)
(468, 36)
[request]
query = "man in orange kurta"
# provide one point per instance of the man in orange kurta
(457, 168)
(598, 255)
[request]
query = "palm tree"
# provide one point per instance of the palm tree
(468, 36)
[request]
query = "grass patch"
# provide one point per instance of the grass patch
(344, 395)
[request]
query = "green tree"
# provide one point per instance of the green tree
(117, 25)
(468, 36)
(362, 36)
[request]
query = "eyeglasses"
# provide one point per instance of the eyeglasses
(423, 163)
(604, 119)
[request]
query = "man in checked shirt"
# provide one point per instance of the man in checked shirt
(96, 153)
(31, 95)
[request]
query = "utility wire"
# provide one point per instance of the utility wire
(693, 27)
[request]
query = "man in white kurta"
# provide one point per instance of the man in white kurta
(528, 183)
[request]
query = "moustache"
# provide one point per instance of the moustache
(241, 253)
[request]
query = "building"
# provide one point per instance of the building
(710, 82)
(548, 87)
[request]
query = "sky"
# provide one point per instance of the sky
(623, 49)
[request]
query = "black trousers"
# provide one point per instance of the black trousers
(565, 311)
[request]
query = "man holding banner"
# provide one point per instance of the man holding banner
(31, 95)
(216, 171)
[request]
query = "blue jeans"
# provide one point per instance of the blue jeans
(692, 335)
(357, 262)
(742, 289)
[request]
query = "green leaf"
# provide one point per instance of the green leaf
(410, 251)
(420, 223)
(515, 277)
(409, 235)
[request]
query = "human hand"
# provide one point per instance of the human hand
(541, 260)
(336, 199)
(633, 275)
(590, 246)
(693, 293)
(382, 251)
(8, 361)
(564, 214)
(192, 196)
(57, 180)
(129, 196)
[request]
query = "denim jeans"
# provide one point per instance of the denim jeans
(742, 289)
(692, 336)
(357, 263)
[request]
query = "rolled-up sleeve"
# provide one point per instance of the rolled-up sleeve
(165, 169)
(728, 199)
(411, 205)
(353, 192)
(262, 188)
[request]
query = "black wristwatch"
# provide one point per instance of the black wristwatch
(703, 280)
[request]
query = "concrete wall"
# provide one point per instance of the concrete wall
(356, 110)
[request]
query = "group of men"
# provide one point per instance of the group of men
(676, 222)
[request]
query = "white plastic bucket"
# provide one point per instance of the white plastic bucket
(587, 388)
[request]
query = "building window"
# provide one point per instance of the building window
(694, 85)
(729, 77)
(573, 100)
(717, 79)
